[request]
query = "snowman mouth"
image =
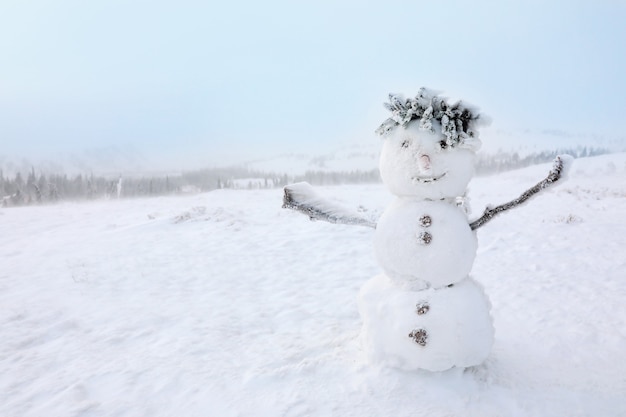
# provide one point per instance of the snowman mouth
(426, 180)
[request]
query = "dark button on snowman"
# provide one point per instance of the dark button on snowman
(424, 311)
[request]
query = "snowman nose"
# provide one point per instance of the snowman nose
(424, 163)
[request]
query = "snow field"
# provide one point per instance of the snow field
(224, 304)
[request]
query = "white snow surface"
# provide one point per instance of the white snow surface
(224, 304)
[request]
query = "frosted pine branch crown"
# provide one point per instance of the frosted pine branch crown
(458, 121)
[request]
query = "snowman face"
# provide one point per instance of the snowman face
(417, 163)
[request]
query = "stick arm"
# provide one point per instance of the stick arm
(303, 198)
(559, 170)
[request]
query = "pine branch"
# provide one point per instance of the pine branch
(559, 169)
(301, 197)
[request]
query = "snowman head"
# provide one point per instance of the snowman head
(429, 146)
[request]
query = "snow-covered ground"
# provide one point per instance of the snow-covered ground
(223, 304)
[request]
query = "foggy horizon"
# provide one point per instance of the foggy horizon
(197, 85)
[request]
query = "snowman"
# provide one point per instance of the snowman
(425, 311)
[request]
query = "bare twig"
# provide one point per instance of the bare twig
(553, 176)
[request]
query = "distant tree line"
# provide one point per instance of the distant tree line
(506, 161)
(38, 188)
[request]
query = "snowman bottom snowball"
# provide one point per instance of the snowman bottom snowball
(428, 329)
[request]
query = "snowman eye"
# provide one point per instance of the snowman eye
(405, 144)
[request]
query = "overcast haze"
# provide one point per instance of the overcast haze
(204, 83)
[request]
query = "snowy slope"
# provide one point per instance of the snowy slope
(224, 304)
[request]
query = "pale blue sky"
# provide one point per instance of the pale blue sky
(209, 81)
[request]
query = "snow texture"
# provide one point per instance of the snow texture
(115, 309)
